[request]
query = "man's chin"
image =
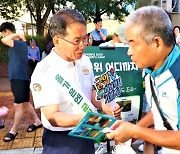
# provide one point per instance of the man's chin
(140, 66)
(78, 56)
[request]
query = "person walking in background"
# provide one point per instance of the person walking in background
(33, 55)
(176, 31)
(149, 34)
(118, 38)
(68, 74)
(99, 34)
(19, 78)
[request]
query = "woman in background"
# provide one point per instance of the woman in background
(176, 32)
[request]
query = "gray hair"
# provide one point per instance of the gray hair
(154, 21)
(61, 20)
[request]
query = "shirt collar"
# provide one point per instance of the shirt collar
(167, 64)
(64, 62)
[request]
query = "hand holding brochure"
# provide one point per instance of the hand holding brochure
(92, 125)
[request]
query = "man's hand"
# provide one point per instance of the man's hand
(98, 28)
(107, 108)
(9, 40)
(33, 59)
(122, 131)
(117, 111)
(22, 37)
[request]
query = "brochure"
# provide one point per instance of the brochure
(92, 126)
(131, 107)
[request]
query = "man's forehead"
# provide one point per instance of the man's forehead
(132, 32)
(77, 30)
(99, 22)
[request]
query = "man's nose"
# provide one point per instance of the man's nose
(129, 51)
(82, 45)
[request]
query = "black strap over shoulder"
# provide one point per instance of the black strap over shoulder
(165, 122)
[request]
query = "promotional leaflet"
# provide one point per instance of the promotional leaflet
(92, 126)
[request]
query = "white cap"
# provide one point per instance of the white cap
(120, 31)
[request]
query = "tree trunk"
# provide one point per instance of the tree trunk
(98, 14)
(40, 29)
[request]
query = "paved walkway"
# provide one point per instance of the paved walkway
(24, 142)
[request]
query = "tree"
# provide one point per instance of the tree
(40, 9)
(96, 8)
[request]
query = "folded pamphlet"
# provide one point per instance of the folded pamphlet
(92, 126)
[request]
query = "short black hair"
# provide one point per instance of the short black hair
(62, 19)
(7, 26)
(97, 20)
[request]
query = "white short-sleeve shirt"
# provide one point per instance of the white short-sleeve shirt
(46, 90)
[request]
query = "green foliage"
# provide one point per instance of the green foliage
(40, 9)
(96, 8)
(40, 41)
(109, 37)
(11, 9)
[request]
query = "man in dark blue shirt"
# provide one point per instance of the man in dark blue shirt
(19, 78)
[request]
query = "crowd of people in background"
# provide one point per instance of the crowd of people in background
(61, 45)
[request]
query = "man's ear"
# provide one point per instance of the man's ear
(56, 41)
(158, 43)
(8, 31)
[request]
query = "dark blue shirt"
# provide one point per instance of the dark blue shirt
(18, 61)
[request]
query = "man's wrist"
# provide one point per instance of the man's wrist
(98, 31)
(135, 131)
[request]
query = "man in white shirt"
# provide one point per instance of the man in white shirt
(151, 47)
(62, 86)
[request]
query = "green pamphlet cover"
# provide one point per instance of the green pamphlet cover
(91, 126)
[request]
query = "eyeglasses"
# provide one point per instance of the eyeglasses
(77, 42)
